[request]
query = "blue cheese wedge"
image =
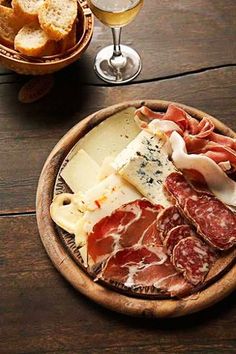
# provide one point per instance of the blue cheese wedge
(144, 163)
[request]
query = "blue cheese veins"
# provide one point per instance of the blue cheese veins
(145, 164)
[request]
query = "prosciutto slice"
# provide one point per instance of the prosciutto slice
(142, 266)
(198, 136)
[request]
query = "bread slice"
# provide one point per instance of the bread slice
(27, 9)
(69, 41)
(10, 24)
(31, 40)
(57, 17)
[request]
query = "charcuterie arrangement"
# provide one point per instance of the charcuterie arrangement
(149, 199)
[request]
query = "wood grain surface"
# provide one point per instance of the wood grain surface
(188, 50)
(41, 313)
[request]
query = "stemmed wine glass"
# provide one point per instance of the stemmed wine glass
(116, 63)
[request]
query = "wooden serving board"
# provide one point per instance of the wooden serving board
(63, 257)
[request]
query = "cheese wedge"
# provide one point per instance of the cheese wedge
(81, 172)
(144, 163)
(111, 136)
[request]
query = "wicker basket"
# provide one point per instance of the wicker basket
(22, 64)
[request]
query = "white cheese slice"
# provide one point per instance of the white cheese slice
(101, 201)
(111, 136)
(218, 182)
(65, 212)
(106, 168)
(144, 163)
(81, 172)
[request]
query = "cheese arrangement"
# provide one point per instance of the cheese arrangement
(149, 201)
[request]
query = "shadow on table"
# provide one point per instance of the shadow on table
(68, 96)
(186, 322)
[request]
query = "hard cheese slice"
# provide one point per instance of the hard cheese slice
(101, 201)
(144, 163)
(111, 136)
(81, 172)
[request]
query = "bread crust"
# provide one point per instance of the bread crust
(57, 27)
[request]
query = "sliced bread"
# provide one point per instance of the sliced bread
(69, 41)
(10, 24)
(31, 40)
(27, 9)
(57, 17)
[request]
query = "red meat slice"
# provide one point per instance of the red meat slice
(175, 235)
(142, 266)
(213, 220)
(167, 219)
(193, 258)
(125, 227)
(179, 189)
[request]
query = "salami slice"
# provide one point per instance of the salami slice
(193, 258)
(179, 189)
(125, 227)
(213, 220)
(143, 266)
(167, 219)
(175, 235)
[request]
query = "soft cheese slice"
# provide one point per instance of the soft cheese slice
(111, 136)
(144, 163)
(81, 172)
(101, 201)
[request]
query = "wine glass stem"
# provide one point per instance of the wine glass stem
(117, 61)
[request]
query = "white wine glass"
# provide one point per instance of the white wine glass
(116, 64)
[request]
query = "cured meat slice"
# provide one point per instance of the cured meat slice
(125, 227)
(167, 219)
(213, 220)
(177, 186)
(142, 266)
(193, 258)
(175, 235)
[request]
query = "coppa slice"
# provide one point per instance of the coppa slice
(175, 235)
(127, 226)
(169, 218)
(213, 220)
(193, 258)
(142, 266)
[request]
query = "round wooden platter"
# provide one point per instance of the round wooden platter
(63, 259)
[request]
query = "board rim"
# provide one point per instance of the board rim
(69, 268)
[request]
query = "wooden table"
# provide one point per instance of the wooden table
(188, 49)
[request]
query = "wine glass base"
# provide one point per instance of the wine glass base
(108, 73)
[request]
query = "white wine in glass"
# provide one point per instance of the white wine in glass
(116, 63)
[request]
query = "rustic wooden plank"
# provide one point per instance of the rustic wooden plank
(28, 132)
(173, 37)
(41, 313)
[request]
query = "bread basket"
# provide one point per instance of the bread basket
(22, 64)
